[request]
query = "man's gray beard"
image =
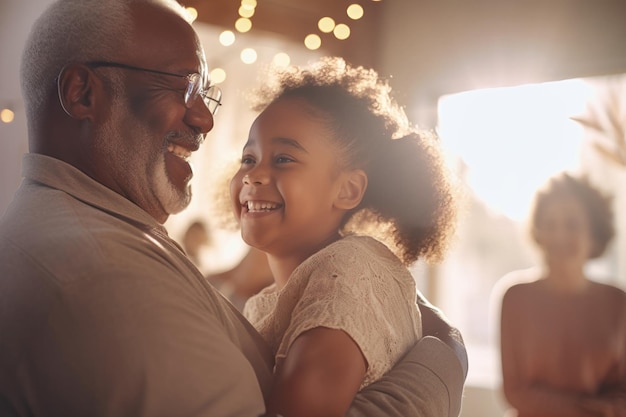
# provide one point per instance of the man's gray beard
(149, 174)
(172, 200)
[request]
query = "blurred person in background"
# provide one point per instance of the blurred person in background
(195, 238)
(251, 274)
(562, 334)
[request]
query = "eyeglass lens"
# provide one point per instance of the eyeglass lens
(211, 96)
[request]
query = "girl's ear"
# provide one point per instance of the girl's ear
(353, 186)
(75, 87)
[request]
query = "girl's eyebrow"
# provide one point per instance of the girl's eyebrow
(281, 141)
(289, 142)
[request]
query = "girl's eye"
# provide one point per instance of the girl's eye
(283, 159)
(247, 160)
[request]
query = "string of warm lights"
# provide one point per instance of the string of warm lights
(312, 41)
(243, 24)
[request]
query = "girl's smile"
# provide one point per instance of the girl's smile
(285, 191)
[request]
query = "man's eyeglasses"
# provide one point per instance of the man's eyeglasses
(212, 95)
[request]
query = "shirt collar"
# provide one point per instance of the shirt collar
(57, 174)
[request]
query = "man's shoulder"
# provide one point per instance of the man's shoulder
(65, 239)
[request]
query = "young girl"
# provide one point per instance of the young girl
(331, 153)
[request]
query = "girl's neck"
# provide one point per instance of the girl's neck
(282, 268)
(283, 265)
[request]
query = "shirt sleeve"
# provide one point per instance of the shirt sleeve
(427, 382)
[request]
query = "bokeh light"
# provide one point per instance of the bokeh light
(342, 31)
(218, 75)
(355, 11)
(246, 11)
(248, 56)
(326, 24)
(243, 24)
(7, 115)
(312, 41)
(227, 38)
(192, 13)
(281, 59)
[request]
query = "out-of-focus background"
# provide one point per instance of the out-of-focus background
(517, 90)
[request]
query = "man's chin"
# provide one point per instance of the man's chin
(173, 194)
(180, 202)
(172, 199)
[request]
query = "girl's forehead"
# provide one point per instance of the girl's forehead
(290, 121)
(293, 113)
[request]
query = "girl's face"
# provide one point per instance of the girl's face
(563, 232)
(284, 194)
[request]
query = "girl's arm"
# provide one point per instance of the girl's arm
(319, 377)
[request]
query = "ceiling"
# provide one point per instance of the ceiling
(294, 19)
(436, 47)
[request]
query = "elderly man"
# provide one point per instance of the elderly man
(101, 313)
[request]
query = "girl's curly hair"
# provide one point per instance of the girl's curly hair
(410, 202)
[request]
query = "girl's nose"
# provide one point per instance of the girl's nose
(255, 178)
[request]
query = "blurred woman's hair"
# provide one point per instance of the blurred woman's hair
(597, 206)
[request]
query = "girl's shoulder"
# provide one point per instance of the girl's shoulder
(352, 256)
(365, 245)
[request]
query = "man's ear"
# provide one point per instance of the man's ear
(76, 91)
(353, 186)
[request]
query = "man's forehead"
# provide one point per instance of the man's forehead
(162, 37)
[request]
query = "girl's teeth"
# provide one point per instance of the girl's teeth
(252, 206)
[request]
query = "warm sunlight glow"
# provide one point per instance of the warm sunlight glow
(227, 38)
(281, 59)
(243, 24)
(312, 41)
(512, 139)
(342, 31)
(7, 115)
(218, 75)
(326, 24)
(355, 11)
(248, 56)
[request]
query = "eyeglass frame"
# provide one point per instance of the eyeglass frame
(193, 90)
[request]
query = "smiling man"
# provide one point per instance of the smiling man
(101, 313)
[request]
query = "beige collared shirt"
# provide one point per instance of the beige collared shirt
(99, 309)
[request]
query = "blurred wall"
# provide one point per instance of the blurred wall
(16, 17)
(433, 47)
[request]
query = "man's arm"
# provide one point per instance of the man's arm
(435, 323)
(427, 382)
